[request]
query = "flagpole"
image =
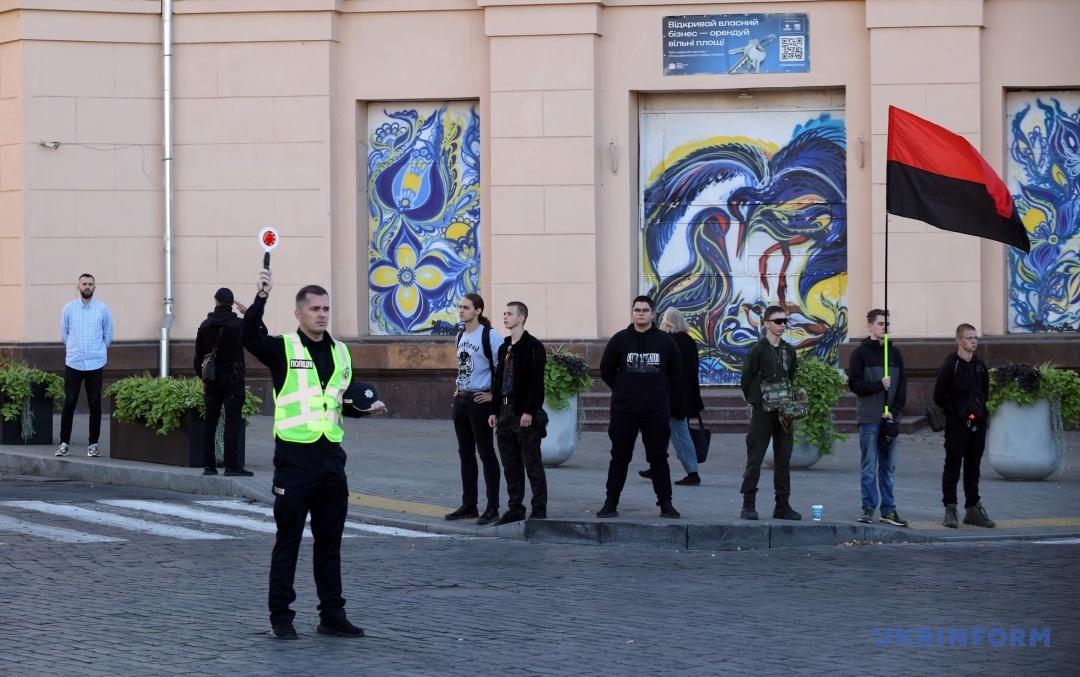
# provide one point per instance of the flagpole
(886, 305)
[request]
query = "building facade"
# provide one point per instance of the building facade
(720, 156)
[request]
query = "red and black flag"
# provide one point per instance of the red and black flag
(939, 178)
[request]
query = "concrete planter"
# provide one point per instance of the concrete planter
(1025, 441)
(182, 446)
(41, 431)
(802, 455)
(562, 434)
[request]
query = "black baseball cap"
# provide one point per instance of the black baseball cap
(358, 397)
(224, 296)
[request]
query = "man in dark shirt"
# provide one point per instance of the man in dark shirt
(962, 386)
(219, 333)
(309, 475)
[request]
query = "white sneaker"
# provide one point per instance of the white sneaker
(62, 451)
(92, 450)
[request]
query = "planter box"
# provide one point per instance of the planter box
(1025, 441)
(562, 434)
(43, 420)
(182, 447)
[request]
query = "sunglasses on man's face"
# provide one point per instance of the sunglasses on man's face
(779, 320)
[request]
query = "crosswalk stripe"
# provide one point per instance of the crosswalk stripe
(118, 521)
(207, 516)
(53, 533)
(370, 528)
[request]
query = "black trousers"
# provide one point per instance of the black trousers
(228, 391)
(73, 382)
(308, 478)
(765, 426)
(475, 436)
(963, 448)
(655, 433)
(519, 449)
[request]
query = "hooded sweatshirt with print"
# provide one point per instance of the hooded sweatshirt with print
(639, 367)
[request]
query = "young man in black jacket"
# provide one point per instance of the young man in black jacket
(518, 387)
(640, 365)
(962, 386)
(770, 360)
(875, 391)
(220, 334)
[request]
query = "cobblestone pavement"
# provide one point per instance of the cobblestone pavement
(152, 605)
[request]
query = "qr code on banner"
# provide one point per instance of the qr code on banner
(793, 48)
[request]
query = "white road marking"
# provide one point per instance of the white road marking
(53, 533)
(177, 510)
(117, 521)
(1063, 541)
(370, 528)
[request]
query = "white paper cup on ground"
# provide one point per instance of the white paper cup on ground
(816, 511)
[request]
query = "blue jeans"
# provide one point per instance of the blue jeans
(684, 446)
(877, 469)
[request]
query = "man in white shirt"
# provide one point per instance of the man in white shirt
(86, 329)
(476, 346)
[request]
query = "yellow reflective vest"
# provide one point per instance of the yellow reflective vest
(303, 411)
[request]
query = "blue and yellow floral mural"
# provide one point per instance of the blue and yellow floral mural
(734, 223)
(424, 214)
(1044, 178)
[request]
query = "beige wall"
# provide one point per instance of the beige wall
(269, 117)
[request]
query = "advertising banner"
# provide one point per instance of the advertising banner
(736, 43)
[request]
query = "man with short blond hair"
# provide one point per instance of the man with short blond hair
(963, 384)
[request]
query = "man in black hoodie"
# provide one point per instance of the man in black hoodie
(877, 393)
(639, 364)
(220, 333)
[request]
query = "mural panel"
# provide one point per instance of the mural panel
(1043, 175)
(737, 222)
(424, 215)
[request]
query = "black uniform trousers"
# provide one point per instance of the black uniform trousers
(308, 478)
(519, 449)
(765, 426)
(73, 382)
(475, 436)
(963, 447)
(655, 432)
(228, 390)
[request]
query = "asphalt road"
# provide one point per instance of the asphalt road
(151, 604)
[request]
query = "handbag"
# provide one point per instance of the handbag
(209, 363)
(701, 438)
(935, 417)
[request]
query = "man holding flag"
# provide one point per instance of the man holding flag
(881, 396)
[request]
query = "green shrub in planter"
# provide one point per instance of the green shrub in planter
(17, 381)
(565, 375)
(159, 403)
(1025, 384)
(824, 384)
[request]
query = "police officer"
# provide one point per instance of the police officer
(311, 372)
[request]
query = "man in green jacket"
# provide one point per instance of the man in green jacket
(770, 360)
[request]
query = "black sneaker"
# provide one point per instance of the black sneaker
(508, 518)
(647, 474)
(490, 515)
(668, 510)
(976, 516)
(867, 516)
(340, 627)
(284, 630)
(538, 514)
(950, 516)
(237, 472)
(749, 510)
(784, 512)
(465, 512)
(209, 471)
(691, 480)
(608, 510)
(893, 519)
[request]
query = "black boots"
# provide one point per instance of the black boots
(951, 519)
(691, 480)
(490, 515)
(609, 510)
(668, 510)
(463, 513)
(748, 509)
(783, 511)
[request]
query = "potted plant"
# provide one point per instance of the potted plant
(815, 435)
(159, 420)
(1029, 409)
(566, 376)
(24, 403)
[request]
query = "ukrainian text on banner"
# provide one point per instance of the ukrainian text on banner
(736, 43)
